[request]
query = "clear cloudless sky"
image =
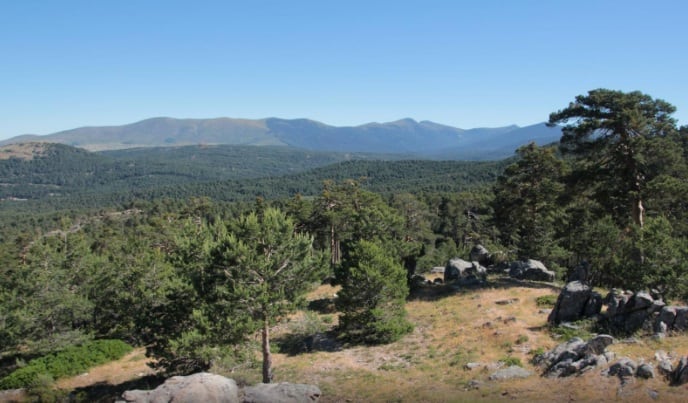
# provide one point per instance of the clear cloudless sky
(479, 63)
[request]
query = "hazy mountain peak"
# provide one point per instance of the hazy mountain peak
(407, 136)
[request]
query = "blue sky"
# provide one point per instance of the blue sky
(478, 63)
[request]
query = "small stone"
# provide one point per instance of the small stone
(653, 394)
(472, 365)
(474, 384)
(665, 368)
(645, 371)
(512, 372)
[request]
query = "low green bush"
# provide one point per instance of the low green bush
(68, 362)
(546, 301)
(510, 361)
(582, 328)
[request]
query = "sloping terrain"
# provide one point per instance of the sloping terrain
(453, 327)
(65, 176)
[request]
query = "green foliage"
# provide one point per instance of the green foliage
(242, 276)
(546, 301)
(43, 390)
(71, 177)
(565, 332)
(372, 297)
(536, 354)
(68, 362)
(526, 205)
(510, 361)
(522, 338)
(612, 135)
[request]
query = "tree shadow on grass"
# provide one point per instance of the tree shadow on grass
(434, 292)
(103, 392)
(296, 344)
(322, 306)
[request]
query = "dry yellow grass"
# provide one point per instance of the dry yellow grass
(452, 328)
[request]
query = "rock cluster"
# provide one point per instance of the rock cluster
(672, 318)
(459, 270)
(576, 356)
(626, 369)
(530, 270)
(211, 388)
(676, 375)
(627, 311)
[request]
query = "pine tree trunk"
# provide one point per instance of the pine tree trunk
(638, 212)
(267, 356)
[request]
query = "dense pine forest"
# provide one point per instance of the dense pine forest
(192, 251)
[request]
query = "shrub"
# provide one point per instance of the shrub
(546, 301)
(68, 362)
(581, 328)
(509, 361)
(373, 296)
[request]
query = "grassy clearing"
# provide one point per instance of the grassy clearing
(501, 322)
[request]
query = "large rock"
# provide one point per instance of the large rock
(463, 271)
(575, 302)
(201, 387)
(530, 270)
(281, 393)
(211, 388)
(481, 255)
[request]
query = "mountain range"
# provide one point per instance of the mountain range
(423, 139)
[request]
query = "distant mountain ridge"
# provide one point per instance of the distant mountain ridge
(406, 136)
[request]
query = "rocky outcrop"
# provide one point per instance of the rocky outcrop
(575, 302)
(201, 387)
(211, 388)
(628, 312)
(459, 270)
(576, 356)
(530, 270)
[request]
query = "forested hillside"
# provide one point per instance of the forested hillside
(155, 250)
(69, 178)
(58, 170)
